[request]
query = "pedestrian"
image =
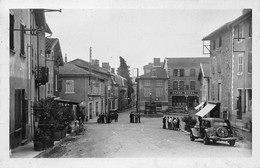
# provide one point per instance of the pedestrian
(174, 122)
(164, 122)
(102, 118)
(178, 124)
(116, 117)
(167, 122)
(136, 117)
(139, 117)
(131, 117)
(106, 118)
(170, 123)
(76, 127)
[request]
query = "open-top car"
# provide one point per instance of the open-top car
(213, 129)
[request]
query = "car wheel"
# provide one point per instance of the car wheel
(191, 136)
(232, 143)
(206, 140)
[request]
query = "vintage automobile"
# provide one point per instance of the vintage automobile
(213, 129)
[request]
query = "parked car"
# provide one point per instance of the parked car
(213, 129)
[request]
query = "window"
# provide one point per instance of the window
(220, 41)
(249, 100)
(181, 85)
(159, 83)
(69, 86)
(159, 92)
(192, 85)
(187, 87)
(181, 72)
(147, 92)
(146, 83)
(240, 31)
(22, 40)
(192, 72)
(240, 63)
(175, 72)
(11, 32)
(175, 85)
(250, 28)
(214, 44)
(250, 62)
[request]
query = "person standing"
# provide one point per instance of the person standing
(170, 123)
(178, 124)
(139, 117)
(131, 117)
(164, 122)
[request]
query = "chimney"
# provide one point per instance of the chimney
(244, 11)
(96, 63)
(65, 57)
(156, 62)
(106, 66)
(113, 70)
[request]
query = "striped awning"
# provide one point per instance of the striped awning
(205, 110)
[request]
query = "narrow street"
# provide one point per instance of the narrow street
(145, 139)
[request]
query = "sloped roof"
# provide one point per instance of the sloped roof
(71, 69)
(226, 26)
(50, 42)
(84, 64)
(157, 72)
(40, 20)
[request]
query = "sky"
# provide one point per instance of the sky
(137, 35)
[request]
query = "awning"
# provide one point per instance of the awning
(67, 101)
(198, 106)
(205, 110)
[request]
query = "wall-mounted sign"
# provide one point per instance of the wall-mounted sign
(185, 93)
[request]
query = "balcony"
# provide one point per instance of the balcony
(41, 75)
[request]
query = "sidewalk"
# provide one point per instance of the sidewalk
(27, 150)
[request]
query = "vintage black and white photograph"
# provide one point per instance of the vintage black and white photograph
(115, 82)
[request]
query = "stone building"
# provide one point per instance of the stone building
(153, 89)
(231, 70)
(183, 87)
(28, 73)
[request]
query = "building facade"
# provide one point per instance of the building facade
(53, 60)
(28, 73)
(231, 70)
(183, 88)
(153, 90)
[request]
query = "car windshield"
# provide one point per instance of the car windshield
(219, 124)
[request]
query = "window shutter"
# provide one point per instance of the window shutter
(250, 62)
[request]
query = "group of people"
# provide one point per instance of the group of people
(173, 123)
(107, 117)
(135, 117)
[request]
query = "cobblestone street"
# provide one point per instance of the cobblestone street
(146, 139)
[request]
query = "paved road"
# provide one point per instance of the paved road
(145, 139)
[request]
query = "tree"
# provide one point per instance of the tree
(123, 71)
